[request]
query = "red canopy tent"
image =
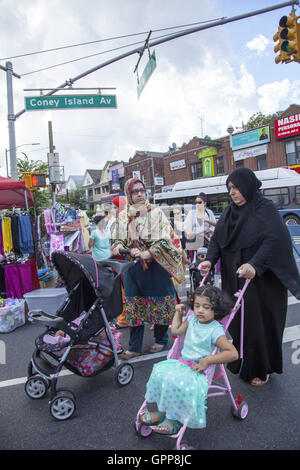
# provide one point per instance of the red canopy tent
(14, 193)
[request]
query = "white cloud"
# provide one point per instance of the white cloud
(272, 94)
(258, 44)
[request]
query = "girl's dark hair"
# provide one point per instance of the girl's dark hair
(98, 219)
(221, 302)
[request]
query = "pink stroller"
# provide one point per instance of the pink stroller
(213, 373)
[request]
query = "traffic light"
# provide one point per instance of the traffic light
(288, 37)
(34, 181)
(38, 180)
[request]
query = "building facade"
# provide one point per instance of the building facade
(149, 167)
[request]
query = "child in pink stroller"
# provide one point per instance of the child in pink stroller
(179, 386)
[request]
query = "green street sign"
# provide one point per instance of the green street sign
(148, 70)
(39, 103)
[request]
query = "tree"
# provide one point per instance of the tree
(260, 120)
(42, 198)
(77, 198)
(26, 165)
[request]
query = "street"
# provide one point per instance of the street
(105, 414)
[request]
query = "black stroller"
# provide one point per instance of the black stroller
(79, 336)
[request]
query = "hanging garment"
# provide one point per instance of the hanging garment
(13, 281)
(49, 222)
(15, 233)
(25, 235)
(1, 239)
(6, 232)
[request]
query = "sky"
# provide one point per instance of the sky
(202, 83)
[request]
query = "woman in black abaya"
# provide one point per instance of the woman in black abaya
(253, 243)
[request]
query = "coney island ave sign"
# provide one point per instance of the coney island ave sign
(38, 103)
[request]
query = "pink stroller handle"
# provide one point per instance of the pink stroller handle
(240, 302)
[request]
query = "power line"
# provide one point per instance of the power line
(102, 40)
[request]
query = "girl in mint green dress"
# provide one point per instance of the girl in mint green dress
(178, 386)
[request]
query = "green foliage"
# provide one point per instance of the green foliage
(42, 198)
(26, 165)
(260, 120)
(77, 198)
(90, 213)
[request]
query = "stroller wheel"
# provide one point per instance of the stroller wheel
(184, 446)
(143, 430)
(36, 387)
(242, 411)
(63, 405)
(124, 373)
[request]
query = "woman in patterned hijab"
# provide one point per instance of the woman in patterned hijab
(149, 291)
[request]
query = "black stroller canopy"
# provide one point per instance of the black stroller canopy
(75, 267)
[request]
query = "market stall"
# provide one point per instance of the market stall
(18, 272)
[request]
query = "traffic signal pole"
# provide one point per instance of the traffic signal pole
(138, 50)
(166, 39)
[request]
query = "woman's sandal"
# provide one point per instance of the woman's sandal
(257, 382)
(156, 348)
(148, 421)
(164, 426)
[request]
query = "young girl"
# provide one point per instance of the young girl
(179, 387)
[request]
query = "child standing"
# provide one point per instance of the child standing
(178, 387)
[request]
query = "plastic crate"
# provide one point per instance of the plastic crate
(49, 300)
(12, 317)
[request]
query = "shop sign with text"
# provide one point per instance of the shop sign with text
(287, 126)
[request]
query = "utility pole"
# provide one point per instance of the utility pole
(11, 122)
(51, 151)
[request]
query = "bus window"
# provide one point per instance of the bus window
(217, 202)
(280, 196)
(296, 199)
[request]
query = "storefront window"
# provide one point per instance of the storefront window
(196, 170)
(261, 162)
(292, 149)
(220, 165)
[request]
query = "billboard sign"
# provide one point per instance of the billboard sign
(251, 138)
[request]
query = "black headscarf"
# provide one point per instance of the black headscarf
(258, 229)
(231, 223)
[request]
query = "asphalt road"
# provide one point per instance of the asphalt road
(105, 414)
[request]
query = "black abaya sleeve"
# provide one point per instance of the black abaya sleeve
(213, 251)
(275, 248)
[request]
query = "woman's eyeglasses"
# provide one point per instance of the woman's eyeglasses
(199, 202)
(137, 191)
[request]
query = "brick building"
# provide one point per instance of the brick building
(281, 146)
(149, 167)
(188, 162)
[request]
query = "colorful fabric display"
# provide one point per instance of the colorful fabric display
(6, 232)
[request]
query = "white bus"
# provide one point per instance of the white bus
(281, 185)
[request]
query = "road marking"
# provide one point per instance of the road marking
(22, 380)
(291, 333)
(292, 300)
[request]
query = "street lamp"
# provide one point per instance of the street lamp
(8, 150)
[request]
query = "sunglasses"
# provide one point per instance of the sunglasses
(199, 202)
(137, 191)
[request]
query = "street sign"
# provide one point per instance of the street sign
(38, 103)
(150, 67)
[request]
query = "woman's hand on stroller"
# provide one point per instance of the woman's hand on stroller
(246, 271)
(116, 250)
(136, 253)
